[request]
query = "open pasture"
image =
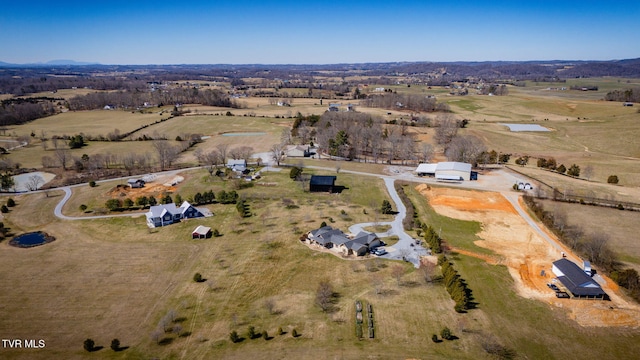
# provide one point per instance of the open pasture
(94, 123)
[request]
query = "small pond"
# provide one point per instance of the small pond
(244, 134)
(31, 239)
(526, 127)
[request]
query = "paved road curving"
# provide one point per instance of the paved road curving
(405, 248)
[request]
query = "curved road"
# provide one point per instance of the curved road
(405, 248)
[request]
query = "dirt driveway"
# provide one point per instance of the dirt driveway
(526, 254)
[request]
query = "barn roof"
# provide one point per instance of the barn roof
(452, 165)
(576, 280)
(322, 180)
(427, 168)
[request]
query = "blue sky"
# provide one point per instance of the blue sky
(316, 32)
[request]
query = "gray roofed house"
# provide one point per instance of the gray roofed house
(166, 214)
(368, 239)
(580, 284)
(323, 236)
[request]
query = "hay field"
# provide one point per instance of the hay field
(94, 122)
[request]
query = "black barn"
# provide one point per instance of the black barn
(322, 183)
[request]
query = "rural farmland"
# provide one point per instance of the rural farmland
(252, 288)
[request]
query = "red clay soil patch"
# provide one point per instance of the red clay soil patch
(124, 191)
(526, 254)
(466, 200)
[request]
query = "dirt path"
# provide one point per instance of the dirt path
(528, 253)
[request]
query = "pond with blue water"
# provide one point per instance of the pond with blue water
(31, 239)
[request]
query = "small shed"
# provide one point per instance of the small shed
(201, 232)
(135, 183)
(322, 183)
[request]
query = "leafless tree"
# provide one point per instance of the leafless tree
(447, 129)
(426, 152)
(270, 306)
(428, 270)
(167, 153)
(155, 335)
(223, 149)
(587, 172)
(397, 272)
(324, 295)
(277, 153)
(574, 235)
(465, 149)
(285, 136)
(378, 283)
(63, 157)
(34, 182)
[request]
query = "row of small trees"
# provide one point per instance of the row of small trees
(455, 285)
(432, 239)
(208, 197)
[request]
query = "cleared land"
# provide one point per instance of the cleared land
(526, 254)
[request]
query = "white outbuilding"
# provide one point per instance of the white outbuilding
(451, 170)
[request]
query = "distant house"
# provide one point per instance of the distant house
(334, 107)
(135, 183)
(627, 103)
(579, 284)
(237, 165)
(166, 214)
(201, 232)
(298, 151)
(322, 183)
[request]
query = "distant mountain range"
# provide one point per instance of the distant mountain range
(49, 63)
(540, 70)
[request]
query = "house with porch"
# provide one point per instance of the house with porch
(166, 214)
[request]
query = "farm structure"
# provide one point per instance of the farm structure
(446, 171)
(322, 183)
(166, 214)
(237, 165)
(136, 183)
(335, 239)
(298, 151)
(201, 232)
(579, 284)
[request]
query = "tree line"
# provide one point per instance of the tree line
(134, 99)
(628, 95)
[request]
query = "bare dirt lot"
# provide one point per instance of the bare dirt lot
(526, 255)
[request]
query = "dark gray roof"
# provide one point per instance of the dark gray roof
(365, 238)
(322, 180)
(576, 281)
